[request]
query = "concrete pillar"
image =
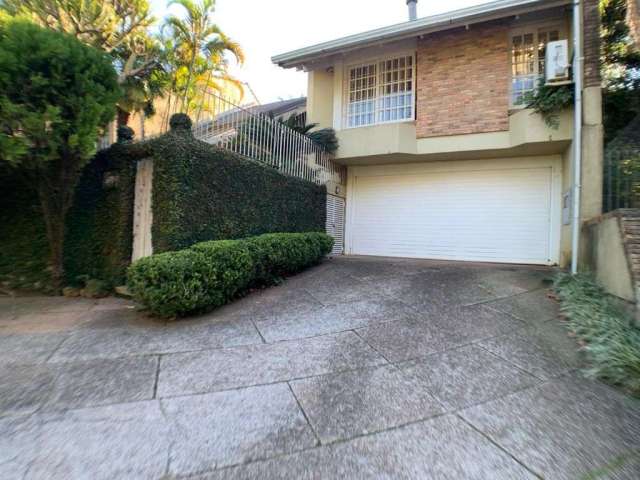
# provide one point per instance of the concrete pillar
(592, 153)
(592, 128)
(142, 210)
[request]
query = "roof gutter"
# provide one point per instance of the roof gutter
(462, 17)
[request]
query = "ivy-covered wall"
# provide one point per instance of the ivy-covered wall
(99, 234)
(23, 239)
(203, 193)
(200, 193)
(99, 226)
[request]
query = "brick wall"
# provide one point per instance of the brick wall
(463, 81)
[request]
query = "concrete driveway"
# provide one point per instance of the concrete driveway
(357, 368)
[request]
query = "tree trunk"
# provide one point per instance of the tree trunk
(56, 189)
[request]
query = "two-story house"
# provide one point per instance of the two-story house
(444, 161)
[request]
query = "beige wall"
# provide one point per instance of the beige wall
(320, 97)
(463, 81)
(608, 258)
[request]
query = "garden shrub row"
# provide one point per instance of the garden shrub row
(210, 274)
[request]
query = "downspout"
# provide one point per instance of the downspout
(577, 134)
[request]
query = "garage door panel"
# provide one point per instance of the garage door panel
(496, 215)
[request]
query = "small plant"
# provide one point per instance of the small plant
(210, 274)
(607, 331)
(549, 101)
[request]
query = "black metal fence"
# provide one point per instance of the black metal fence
(621, 180)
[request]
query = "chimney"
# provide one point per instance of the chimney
(412, 4)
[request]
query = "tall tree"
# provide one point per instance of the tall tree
(199, 50)
(55, 95)
(118, 27)
(620, 65)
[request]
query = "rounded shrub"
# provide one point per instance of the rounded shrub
(180, 121)
(210, 274)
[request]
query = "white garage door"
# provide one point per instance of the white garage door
(494, 215)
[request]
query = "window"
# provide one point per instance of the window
(528, 50)
(380, 92)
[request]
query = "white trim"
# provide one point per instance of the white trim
(444, 21)
(376, 59)
(534, 28)
(552, 161)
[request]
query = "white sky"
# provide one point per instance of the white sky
(268, 27)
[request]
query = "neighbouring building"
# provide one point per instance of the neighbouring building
(443, 159)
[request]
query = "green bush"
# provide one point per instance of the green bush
(209, 274)
(203, 193)
(610, 337)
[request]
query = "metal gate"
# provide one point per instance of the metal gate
(335, 222)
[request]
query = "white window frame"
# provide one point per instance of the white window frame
(534, 29)
(377, 61)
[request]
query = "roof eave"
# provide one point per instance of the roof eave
(457, 18)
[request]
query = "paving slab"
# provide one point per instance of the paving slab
(227, 428)
(531, 307)
(370, 269)
(442, 448)
(119, 441)
(87, 344)
(29, 348)
(474, 322)
(102, 382)
(567, 428)
(229, 368)
(408, 339)
(504, 281)
(345, 405)
(466, 376)
(331, 319)
(545, 351)
(24, 388)
(43, 322)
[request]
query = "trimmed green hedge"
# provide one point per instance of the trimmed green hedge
(210, 274)
(98, 241)
(203, 193)
(23, 241)
(200, 193)
(99, 227)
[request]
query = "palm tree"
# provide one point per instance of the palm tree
(325, 138)
(200, 49)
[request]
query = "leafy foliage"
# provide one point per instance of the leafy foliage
(195, 55)
(549, 101)
(55, 96)
(620, 61)
(99, 232)
(205, 193)
(619, 55)
(98, 227)
(325, 138)
(610, 337)
(23, 242)
(211, 274)
(118, 27)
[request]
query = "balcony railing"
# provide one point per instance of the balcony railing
(251, 134)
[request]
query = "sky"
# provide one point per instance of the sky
(268, 27)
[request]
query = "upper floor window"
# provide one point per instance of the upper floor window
(380, 92)
(528, 48)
